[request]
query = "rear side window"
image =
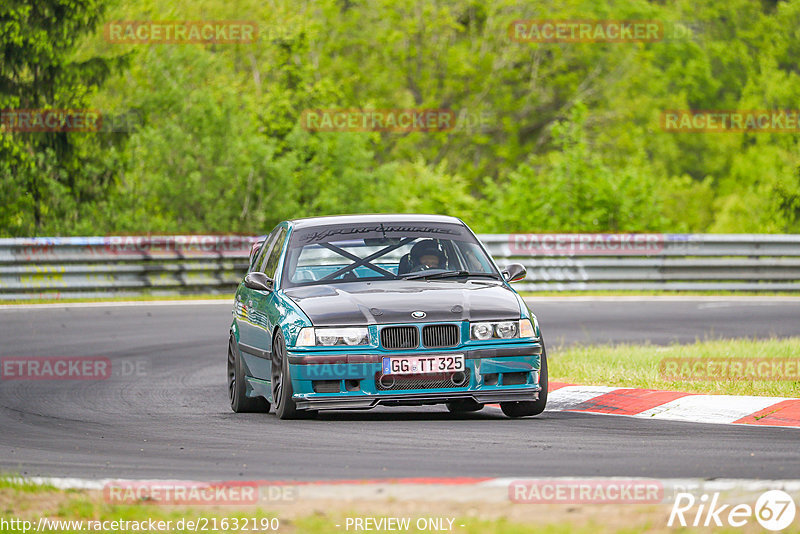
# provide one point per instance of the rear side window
(274, 255)
(254, 256)
(264, 251)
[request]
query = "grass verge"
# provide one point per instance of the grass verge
(640, 366)
(323, 516)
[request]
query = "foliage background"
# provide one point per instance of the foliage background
(552, 137)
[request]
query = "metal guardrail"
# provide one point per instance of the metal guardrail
(643, 262)
(99, 267)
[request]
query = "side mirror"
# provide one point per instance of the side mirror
(514, 272)
(258, 281)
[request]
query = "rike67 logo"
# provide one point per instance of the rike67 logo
(774, 510)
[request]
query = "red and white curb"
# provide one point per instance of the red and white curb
(675, 405)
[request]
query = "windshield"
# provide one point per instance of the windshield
(338, 254)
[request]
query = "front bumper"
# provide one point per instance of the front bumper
(327, 380)
(323, 402)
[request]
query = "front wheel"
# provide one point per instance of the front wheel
(282, 392)
(237, 388)
(527, 408)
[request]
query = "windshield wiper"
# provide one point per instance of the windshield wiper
(446, 274)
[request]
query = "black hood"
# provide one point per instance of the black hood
(358, 303)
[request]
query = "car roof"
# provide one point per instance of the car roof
(373, 218)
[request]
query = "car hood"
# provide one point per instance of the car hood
(358, 303)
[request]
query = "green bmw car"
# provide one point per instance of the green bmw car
(358, 311)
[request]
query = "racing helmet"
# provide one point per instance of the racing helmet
(427, 247)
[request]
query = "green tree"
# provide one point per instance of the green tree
(571, 189)
(48, 175)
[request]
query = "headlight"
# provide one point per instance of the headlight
(526, 329)
(494, 330)
(327, 339)
(330, 337)
(482, 330)
(506, 330)
(356, 336)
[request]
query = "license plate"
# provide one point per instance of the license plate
(408, 365)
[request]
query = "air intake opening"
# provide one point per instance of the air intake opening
(515, 379)
(386, 381)
(422, 381)
(326, 386)
(458, 379)
(400, 337)
(437, 336)
(490, 379)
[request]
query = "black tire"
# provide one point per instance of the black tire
(237, 389)
(285, 407)
(527, 408)
(464, 406)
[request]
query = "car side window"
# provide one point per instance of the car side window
(264, 251)
(255, 256)
(274, 256)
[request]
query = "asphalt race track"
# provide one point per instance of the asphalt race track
(164, 412)
(664, 320)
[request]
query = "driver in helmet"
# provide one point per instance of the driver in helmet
(426, 255)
